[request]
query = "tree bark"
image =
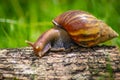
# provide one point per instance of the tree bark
(96, 63)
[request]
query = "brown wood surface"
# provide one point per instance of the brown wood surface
(96, 63)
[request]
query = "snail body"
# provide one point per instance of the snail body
(73, 28)
(56, 38)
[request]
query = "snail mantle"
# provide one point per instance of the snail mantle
(100, 62)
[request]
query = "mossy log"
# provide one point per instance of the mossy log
(96, 63)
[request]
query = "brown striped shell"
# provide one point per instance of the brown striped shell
(85, 29)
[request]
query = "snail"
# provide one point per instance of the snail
(71, 28)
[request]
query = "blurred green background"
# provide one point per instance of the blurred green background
(22, 20)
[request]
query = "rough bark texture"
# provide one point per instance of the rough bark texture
(97, 63)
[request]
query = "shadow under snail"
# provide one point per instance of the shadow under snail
(71, 28)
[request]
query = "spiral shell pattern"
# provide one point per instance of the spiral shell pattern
(85, 29)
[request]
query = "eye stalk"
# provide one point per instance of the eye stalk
(30, 43)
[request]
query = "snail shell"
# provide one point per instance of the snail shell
(85, 29)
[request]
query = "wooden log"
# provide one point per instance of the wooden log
(96, 63)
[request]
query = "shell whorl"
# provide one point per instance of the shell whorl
(85, 29)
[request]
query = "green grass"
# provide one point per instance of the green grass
(22, 20)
